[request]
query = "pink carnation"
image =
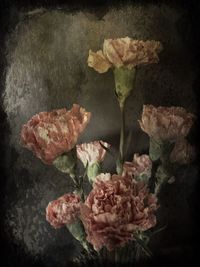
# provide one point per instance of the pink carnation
(50, 134)
(141, 165)
(64, 210)
(91, 152)
(166, 123)
(116, 208)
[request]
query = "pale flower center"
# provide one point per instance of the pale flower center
(43, 133)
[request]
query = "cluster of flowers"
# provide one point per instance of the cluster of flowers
(119, 206)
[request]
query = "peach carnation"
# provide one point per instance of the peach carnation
(124, 52)
(64, 210)
(50, 134)
(116, 208)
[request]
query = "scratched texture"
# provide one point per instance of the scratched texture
(46, 69)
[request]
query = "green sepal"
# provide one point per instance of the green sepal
(159, 150)
(124, 80)
(142, 241)
(92, 171)
(66, 162)
(144, 178)
(154, 149)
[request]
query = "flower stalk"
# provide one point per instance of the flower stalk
(79, 189)
(124, 81)
(121, 143)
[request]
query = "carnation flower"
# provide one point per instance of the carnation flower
(140, 166)
(182, 153)
(130, 53)
(91, 152)
(91, 155)
(64, 210)
(50, 134)
(115, 209)
(166, 123)
(124, 52)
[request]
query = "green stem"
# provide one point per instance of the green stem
(78, 186)
(73, 179)
(122, 137)
(120, 159)
(164, 172)
(162, 168)
(81, 194)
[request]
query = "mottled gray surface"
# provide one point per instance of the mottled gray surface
(47, 69)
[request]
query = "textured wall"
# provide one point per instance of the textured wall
(47, 69)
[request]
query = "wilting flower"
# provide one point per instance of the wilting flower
(50, 134)
(124, 52)
(140, 166)
(91, 152)
(64, 210)
(166, 123)
(182, 153)
(115, 209)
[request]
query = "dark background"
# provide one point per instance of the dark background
(26, 184)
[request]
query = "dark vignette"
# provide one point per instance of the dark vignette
(13, 255)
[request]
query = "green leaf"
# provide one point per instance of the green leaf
(158, 230)
(78, 232)
(143, 245)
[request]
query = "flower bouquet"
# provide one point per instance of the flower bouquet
(113, 216)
